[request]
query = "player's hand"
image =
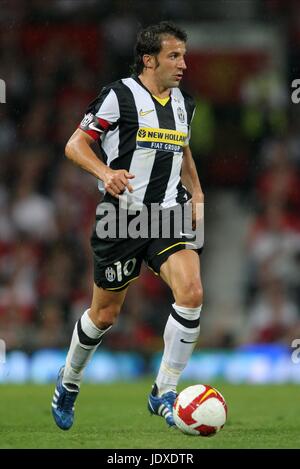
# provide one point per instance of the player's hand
(116, 181)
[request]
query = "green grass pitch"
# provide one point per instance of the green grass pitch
(115, 416)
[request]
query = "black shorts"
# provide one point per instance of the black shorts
(118, 260)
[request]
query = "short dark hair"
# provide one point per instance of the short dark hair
(149, 41)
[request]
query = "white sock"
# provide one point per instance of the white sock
(85, 340)
(180, 337)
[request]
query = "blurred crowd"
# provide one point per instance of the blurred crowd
(47, 205)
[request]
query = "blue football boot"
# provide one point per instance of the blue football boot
(163, 405)
(63, 403)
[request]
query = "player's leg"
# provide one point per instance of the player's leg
(89, 330)
(87, 336)
(181, 271)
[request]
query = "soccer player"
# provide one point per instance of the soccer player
(142, 125)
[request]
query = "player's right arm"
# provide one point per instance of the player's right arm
(78, 150)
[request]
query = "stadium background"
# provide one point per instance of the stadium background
(55, 57)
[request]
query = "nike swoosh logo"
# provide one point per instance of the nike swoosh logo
(186, 342)
(144, 113)
(93, 127)
(187, 235)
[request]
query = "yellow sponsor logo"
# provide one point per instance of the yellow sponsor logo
(161, 135)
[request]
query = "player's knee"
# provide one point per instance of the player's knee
(107, 316)
(189, 295)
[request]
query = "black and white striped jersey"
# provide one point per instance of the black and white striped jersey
(143, 135)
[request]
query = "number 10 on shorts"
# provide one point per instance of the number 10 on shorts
(120, 270)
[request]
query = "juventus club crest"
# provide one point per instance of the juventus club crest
(110, 274)
(180, 114)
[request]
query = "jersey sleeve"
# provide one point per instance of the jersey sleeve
(101, 114)
(187, 140)
(190, 111)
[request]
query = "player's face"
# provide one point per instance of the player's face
(170, 62)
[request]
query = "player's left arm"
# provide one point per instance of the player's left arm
(190, 180)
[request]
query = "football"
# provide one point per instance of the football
(200, 410)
